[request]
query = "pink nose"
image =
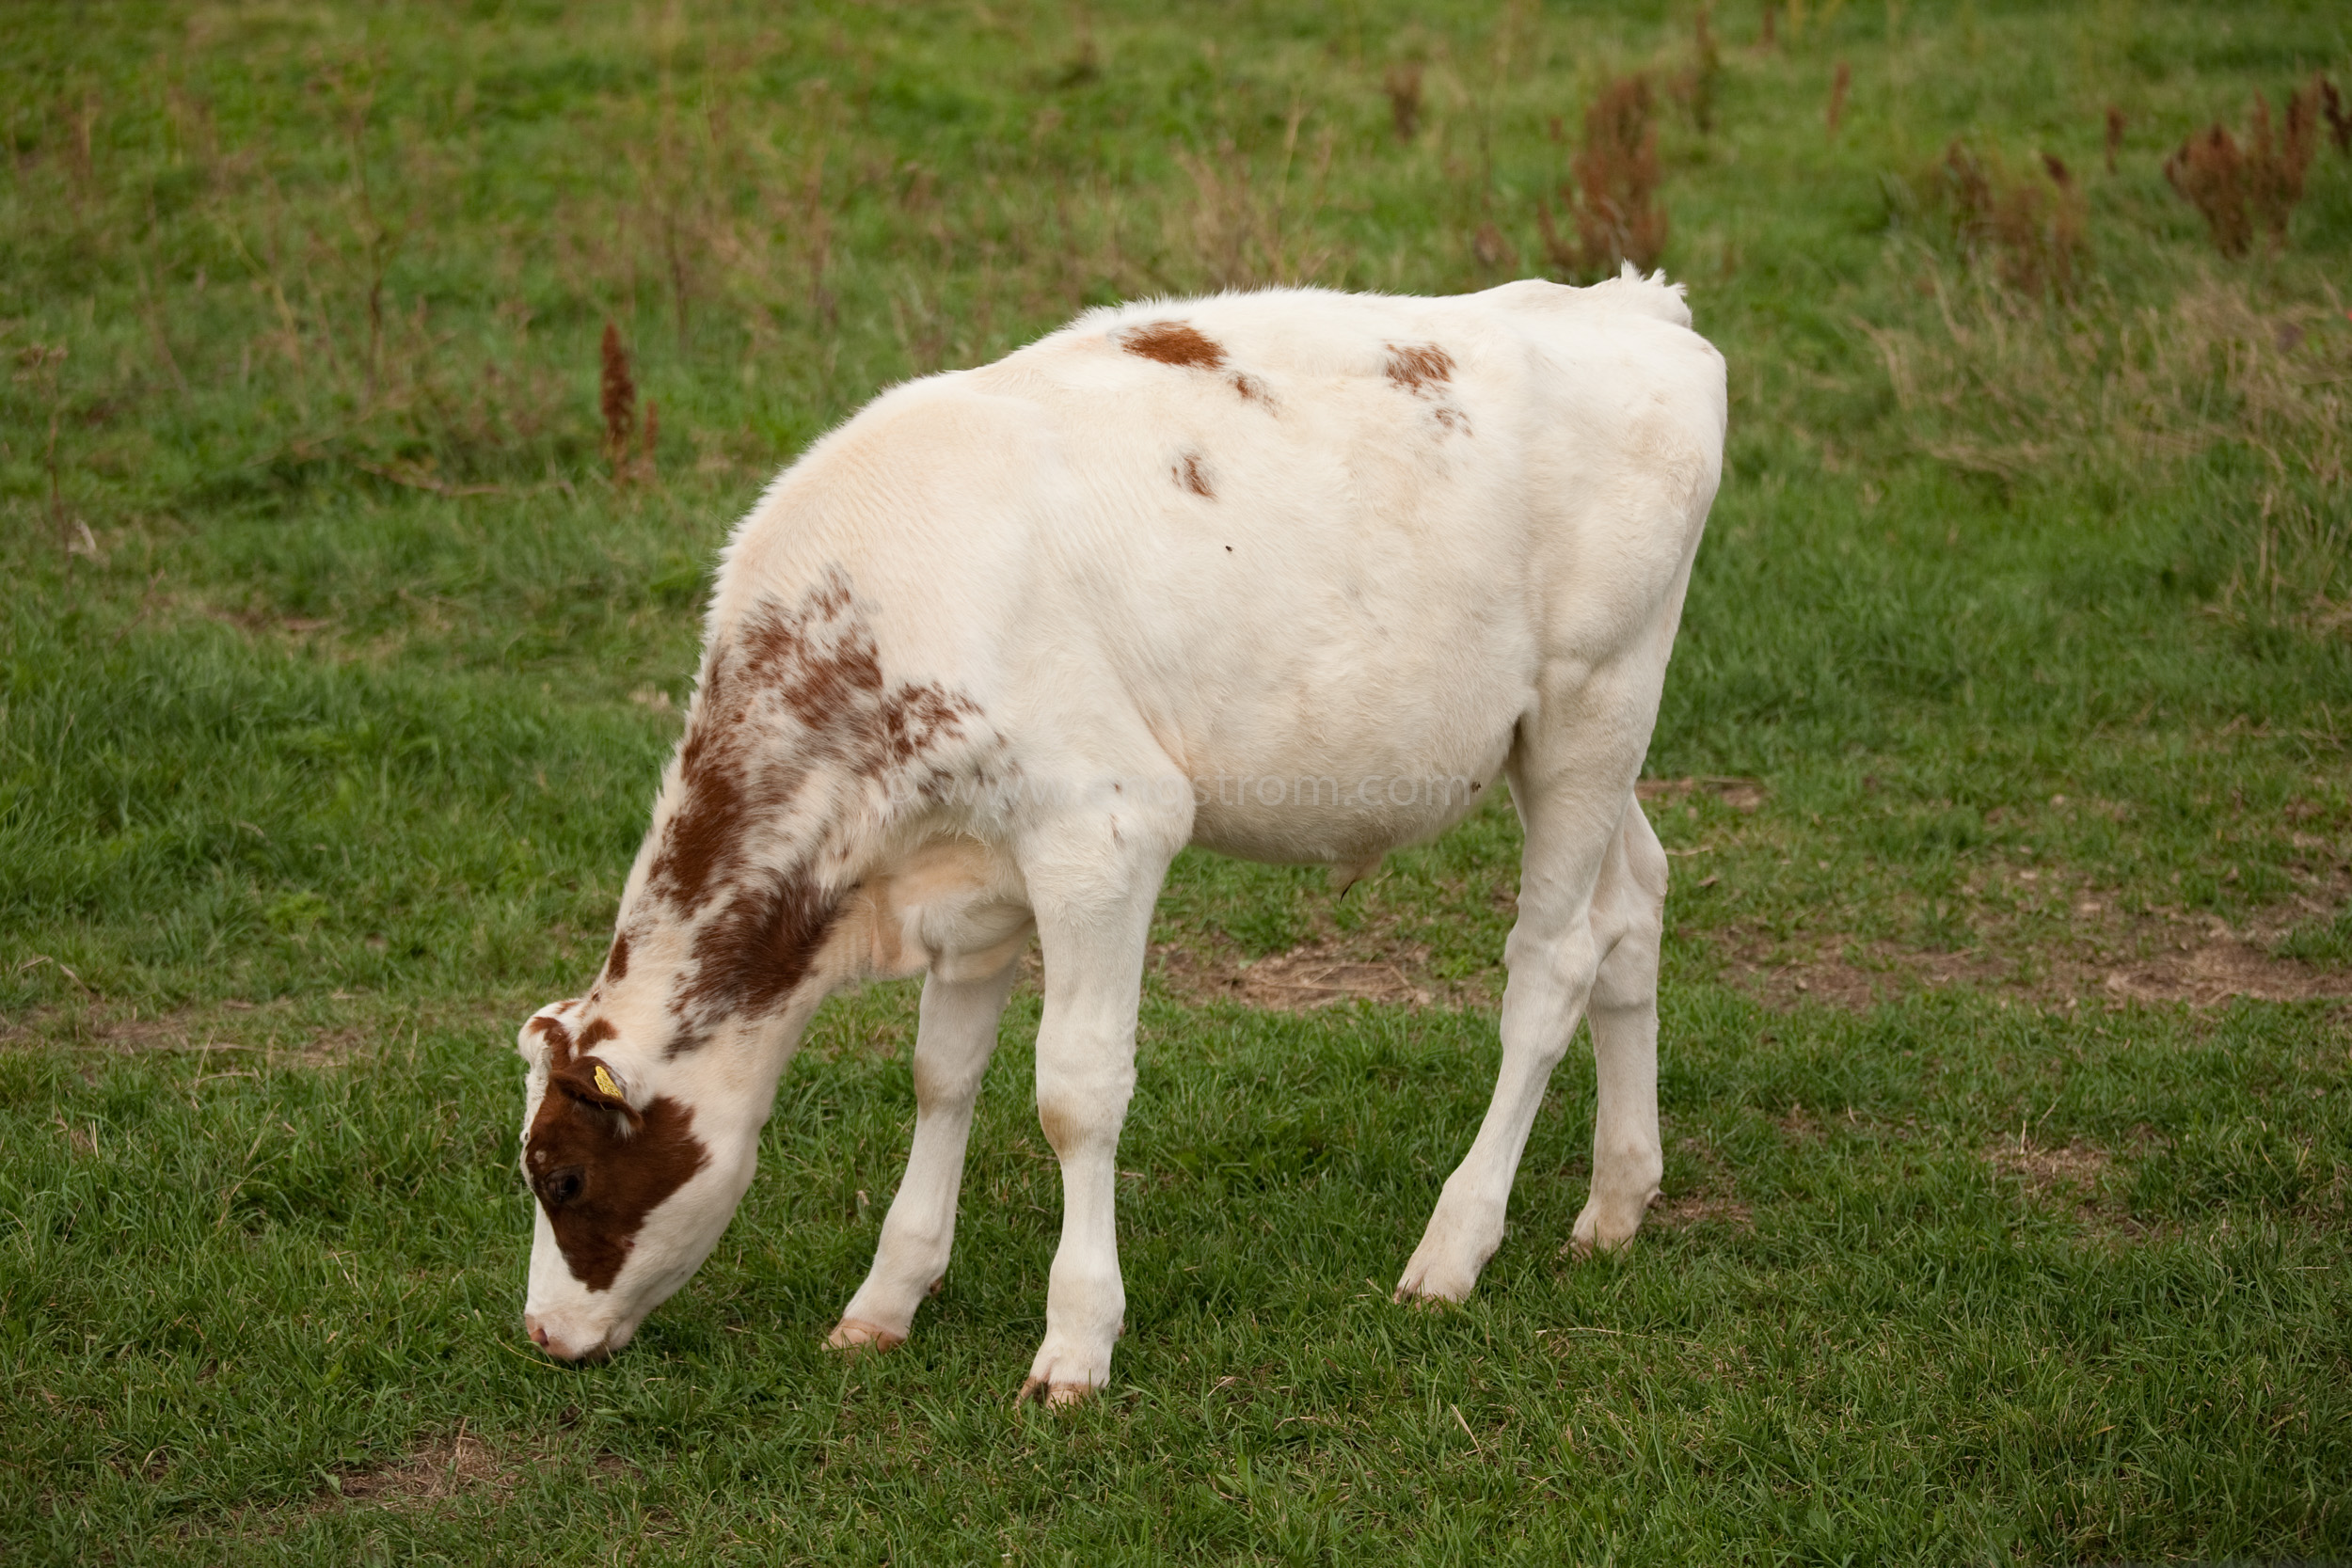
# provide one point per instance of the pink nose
(557, 1348)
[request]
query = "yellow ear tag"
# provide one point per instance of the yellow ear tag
(605, 1086)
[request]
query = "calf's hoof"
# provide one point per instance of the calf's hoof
(1054, 1395)
(1607, 1227)
(1443, 1271)
(856, 1333)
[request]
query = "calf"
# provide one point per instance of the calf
(1292, 574)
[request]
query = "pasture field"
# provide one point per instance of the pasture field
(2006, 757)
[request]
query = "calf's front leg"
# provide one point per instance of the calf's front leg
(1086, 1073)
(953, 1041)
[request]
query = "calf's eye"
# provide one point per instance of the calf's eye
(562, 1187)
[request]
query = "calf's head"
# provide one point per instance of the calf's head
(636, 1167)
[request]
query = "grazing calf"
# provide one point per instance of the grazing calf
(1293, 574)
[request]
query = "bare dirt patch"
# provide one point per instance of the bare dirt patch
(449, 1467)
(1371, 965)
(440, 1470)
(1700, 1207)
(1318, 973)
(2098, 956)
(1738, 793)
(2072, 1168)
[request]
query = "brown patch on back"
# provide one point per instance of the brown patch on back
(599, 1171)
(1250, 388)
(1188, 474)
(1418, 367)
(1173, 343)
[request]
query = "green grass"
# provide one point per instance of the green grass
(336, 674)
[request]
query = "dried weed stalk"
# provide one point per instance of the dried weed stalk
(2239, 186)
(2035, 231)
(1698, 84)
(1613, 201)
(1403, 86)
(628, 448)
(1839, 84)
(2115, 134)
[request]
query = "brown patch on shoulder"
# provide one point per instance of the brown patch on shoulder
(790, 693)
(758, 946)
(1418, 367)
(793, 703)
(1173, 343)
(598, 1170)
(1250, 388)
(1189, 475)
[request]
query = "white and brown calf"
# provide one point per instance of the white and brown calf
(1292, 574)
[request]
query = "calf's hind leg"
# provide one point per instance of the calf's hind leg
(1586, 931)
(1628, 1160)
(952, 1044)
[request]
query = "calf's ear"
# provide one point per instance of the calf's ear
(590, 1081)
(547, 1036)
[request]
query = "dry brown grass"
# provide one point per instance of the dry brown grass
(2145, 395)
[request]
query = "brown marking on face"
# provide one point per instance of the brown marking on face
(1189, 475)
(616, 963)
(598, 1170)
(1173, 343)
(1416, 367)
